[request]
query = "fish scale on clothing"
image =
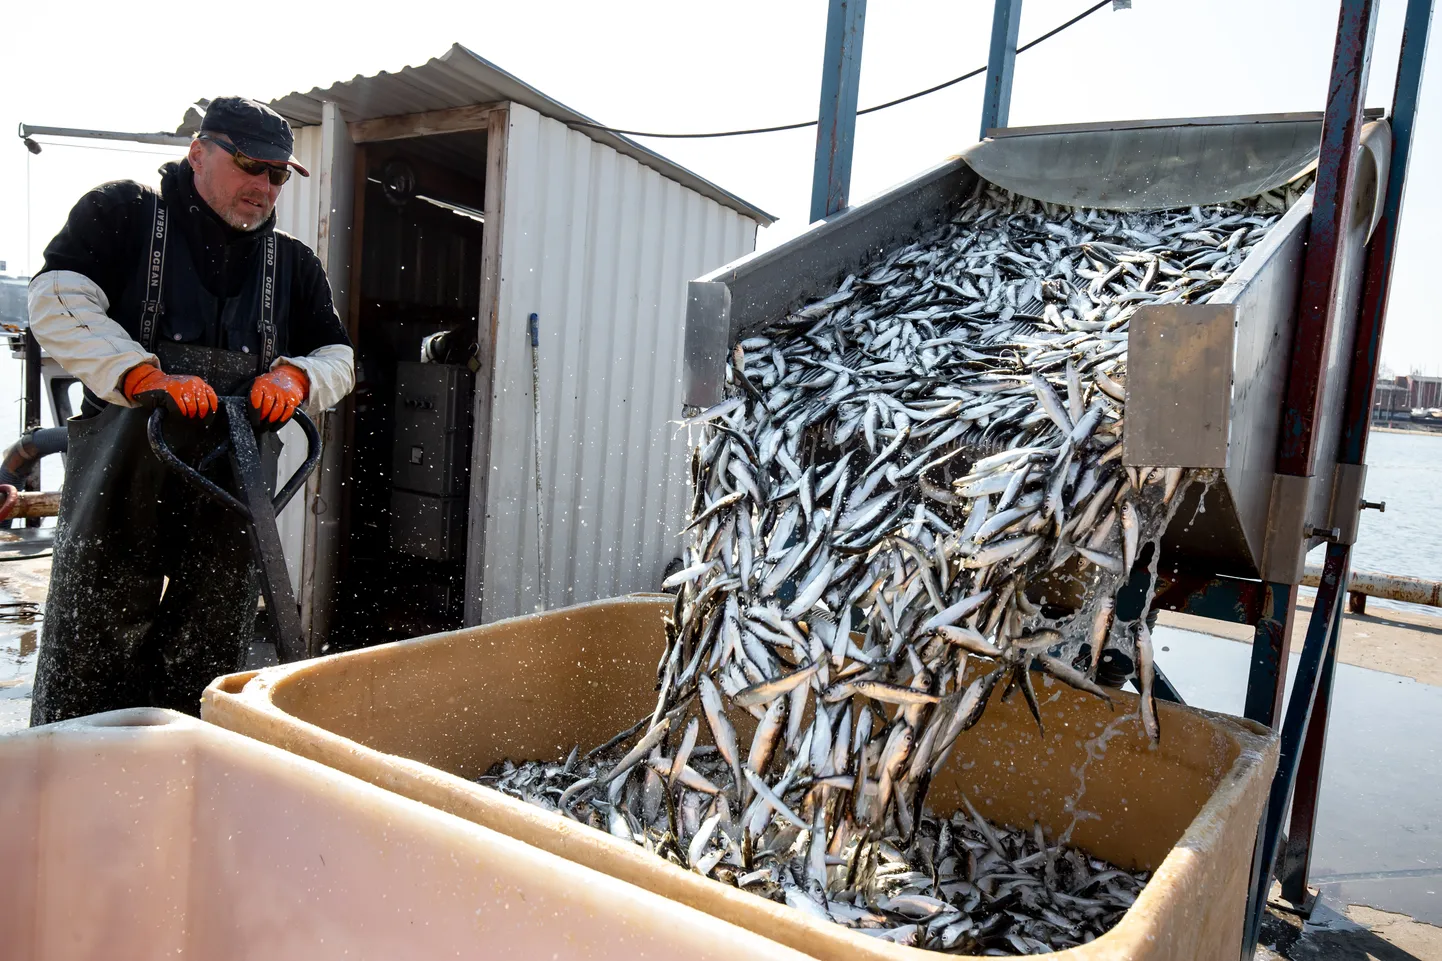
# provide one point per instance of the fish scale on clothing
(911, 497)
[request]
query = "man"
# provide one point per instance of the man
(166, 299)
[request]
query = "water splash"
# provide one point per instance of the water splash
(1096, 748)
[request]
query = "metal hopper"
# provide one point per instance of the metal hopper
(1205, 381)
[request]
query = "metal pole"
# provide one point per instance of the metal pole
(1356, 421)
(1322, 270)
(31, 411)
(1319, 646)
(1296, 453)
(542, 587)
(1271, 644)
(163, 139)
(1377, 284)
(1297, 855)
(32, 406)
(836, 122)
(996, 103)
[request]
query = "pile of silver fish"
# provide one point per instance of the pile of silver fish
(962, 885)
(913, 495)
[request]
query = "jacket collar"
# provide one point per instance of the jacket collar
(221, 252)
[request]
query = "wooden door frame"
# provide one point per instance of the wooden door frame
(498, 125)
(452, 120)
(314, 596)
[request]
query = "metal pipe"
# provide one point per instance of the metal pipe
(1394, 587)
(836, 122)
(37, 504)
(32, 406)
(163, 139)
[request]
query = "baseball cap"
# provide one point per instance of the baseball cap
(256, 130)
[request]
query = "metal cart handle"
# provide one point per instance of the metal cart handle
(233, 407)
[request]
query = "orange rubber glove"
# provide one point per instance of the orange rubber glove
(185, 394)
(275, 395)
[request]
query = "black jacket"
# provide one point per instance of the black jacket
(106, 239)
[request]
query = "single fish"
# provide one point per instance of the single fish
(1101, 630)
(1131, 532)
(721, 730)
(1051, 403)
(770, 797)
(1067, 674)
(955, 612)
(892, 693)
(1172, 482)
(768, 690)
(1146, 676)
(1106, 562)
(683, 752)
(1002, 551)
(768, 734)
(633, 757)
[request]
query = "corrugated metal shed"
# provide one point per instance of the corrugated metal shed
(599, 237)
(461, 78)
(599, 246)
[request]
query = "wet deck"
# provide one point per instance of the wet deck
(1378, 854)
(1377, 857)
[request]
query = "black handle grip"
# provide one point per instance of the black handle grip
(234, 407)
(303, 472)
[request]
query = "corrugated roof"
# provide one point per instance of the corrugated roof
(460, 78)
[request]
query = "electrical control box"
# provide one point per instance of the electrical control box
(431, 460)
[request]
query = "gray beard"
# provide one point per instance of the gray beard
(247, 227)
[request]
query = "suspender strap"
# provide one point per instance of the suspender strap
(155, 285)
(267, 307)
(155, 277)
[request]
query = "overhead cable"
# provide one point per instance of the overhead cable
(586, 124)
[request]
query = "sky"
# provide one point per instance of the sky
(677, 66)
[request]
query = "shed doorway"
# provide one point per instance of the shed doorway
(419, 240)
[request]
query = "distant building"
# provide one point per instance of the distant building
(1392, 400)
(1423, 392)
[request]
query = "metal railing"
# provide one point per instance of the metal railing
(1364, 584)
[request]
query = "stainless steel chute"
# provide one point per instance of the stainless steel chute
(1205, 381)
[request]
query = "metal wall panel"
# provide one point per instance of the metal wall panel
(600, 248)
(297, 212)
(298, 209)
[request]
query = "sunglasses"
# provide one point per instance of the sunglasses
(278, 173)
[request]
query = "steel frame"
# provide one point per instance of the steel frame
(1271, 607)
(996, 101)
(836, 121)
